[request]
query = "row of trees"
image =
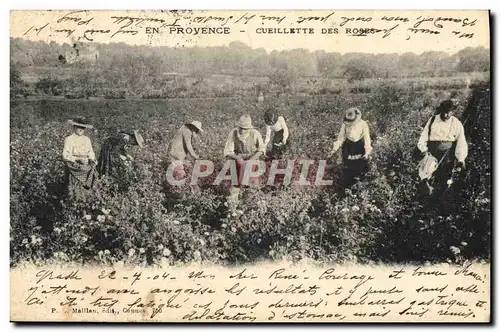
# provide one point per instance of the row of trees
(238, 58)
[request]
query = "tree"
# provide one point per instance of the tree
(432, 63)
(473, 59)
(408, 61)
(329, 64)
(358, 69)
(282, 79)
(16, 82)
(15, 77)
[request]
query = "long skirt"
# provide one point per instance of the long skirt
(78, 177)
(443, 152)
(278, 149)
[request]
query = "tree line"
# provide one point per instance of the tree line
(239, 59)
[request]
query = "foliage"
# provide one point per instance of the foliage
(49, 86)
(133, 65)
(358, 69)
(282, 79)
(473, 59)
(16, 83)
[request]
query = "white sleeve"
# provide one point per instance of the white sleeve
(229, 147)
(67, 153)
(268, 135)
(340, 139)
(367, 138)
(91, 154)
(461, 149)
(424, 137)
(261, 146)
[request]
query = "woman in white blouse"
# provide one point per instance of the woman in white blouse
(355, 141)
(277, 133)
(79, 157)
(444, 139)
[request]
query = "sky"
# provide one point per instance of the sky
(328, 30)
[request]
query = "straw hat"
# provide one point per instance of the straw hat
(197, 125)
(80, 122)
(352, 113)
(245, 122)
(136, 135)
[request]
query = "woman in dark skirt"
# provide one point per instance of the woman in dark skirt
(114, 152)
(355, 141)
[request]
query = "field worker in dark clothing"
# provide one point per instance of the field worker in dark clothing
(355, 141)
(276, 132)
(114, 152)
(443, 138)
(181, 146)
(79, 158)
(243, 143)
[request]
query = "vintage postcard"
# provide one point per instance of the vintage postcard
(250, 166)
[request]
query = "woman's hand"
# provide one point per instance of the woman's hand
(459, 166)
(82, 161)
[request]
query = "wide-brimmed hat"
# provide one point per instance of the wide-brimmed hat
(197, 125)
(445, 106)
(136, 135)
(80, 122)
(245, 122)
(352, 113)
(138, 138)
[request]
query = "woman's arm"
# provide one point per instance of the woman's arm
(268, 135)
(368, 139)
(67, 153)
(91, 154)
(261, 147)
(229, 147)
(461, 149)
(424, 138)
(188, 137)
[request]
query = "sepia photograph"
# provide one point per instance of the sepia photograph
(194, 160)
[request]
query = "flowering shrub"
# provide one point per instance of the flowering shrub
(134, 219)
